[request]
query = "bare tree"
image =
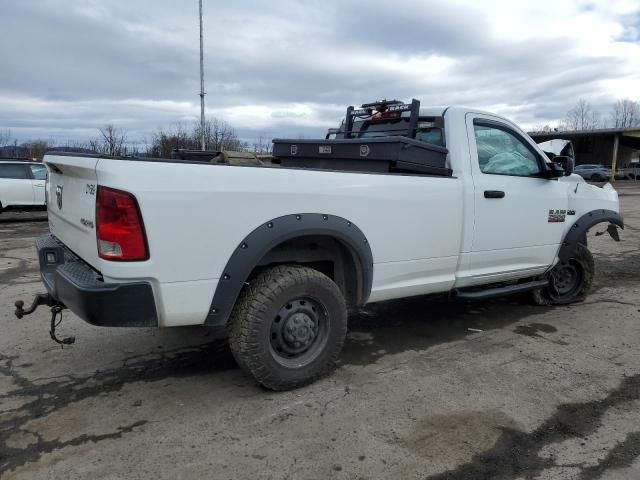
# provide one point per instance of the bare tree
(77, 146)
(546, 128)
(163, 142)
(35, 149)
(581, 117)
(626, 113)
(262, 145)
(5, 137)
(112, 141)
(219, 135)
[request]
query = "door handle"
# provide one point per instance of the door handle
(493, 194)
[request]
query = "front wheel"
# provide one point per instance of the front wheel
(569, 281)
(288, 326)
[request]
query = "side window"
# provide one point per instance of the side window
(502, 153)
(13, 170)
(39, 172)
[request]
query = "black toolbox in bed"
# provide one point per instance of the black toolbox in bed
(374, 155)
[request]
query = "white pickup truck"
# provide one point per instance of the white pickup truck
(404, 201)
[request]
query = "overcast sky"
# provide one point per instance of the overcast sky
(286, 67)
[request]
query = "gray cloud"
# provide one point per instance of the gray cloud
(69, 67)
(411, 26)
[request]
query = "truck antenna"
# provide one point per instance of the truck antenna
(202, 94)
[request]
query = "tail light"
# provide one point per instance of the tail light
(119, 227)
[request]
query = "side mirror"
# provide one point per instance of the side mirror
(553, 170)
(567, 163)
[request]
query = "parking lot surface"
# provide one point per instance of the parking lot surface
(425, 389)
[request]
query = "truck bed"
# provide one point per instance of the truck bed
(196, 214)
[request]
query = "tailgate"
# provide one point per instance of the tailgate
(71, 203)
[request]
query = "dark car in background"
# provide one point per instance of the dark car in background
(593, 172)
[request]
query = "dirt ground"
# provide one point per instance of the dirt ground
(425, 389)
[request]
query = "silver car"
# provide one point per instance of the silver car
(593, 172)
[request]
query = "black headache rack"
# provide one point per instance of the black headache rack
(373, 155)
(383, 109)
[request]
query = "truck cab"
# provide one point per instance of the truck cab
(516, 201)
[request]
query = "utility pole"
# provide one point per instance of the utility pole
(203, 145)
(614, 157)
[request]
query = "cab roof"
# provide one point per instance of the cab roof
(16, 160)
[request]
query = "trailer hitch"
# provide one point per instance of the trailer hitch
(40, 299)
(56, 309)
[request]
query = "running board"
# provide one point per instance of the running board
(477, 295)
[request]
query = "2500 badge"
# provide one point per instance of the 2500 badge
(557, 216)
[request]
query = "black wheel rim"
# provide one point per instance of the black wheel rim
(299, 332)
(566, 279)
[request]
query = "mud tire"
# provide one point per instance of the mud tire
(263, 303)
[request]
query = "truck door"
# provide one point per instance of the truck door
(519, 214)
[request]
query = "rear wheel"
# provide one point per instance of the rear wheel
(569, 281)
(595, 177)
(288, 327)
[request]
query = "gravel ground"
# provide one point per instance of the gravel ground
(425, 389)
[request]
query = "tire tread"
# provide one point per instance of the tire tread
(248, 321)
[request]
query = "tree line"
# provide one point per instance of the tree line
(219, 135)
(624, 113)
(115, 141)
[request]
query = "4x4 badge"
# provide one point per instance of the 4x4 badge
(59, 196)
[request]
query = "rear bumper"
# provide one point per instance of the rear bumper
(74, 283)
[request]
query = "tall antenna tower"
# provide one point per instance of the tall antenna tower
(202, 94)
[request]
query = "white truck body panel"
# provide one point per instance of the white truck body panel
(192, 228)
(70, 188)
(427, 234)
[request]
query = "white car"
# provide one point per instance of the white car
(22, 185)
(406, 201)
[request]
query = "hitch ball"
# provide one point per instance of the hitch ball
(19, 304)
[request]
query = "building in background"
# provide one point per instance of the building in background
(601, 146)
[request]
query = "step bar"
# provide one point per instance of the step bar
(476, 295)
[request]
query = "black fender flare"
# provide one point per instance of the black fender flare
(260, 241)
(580, 228)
